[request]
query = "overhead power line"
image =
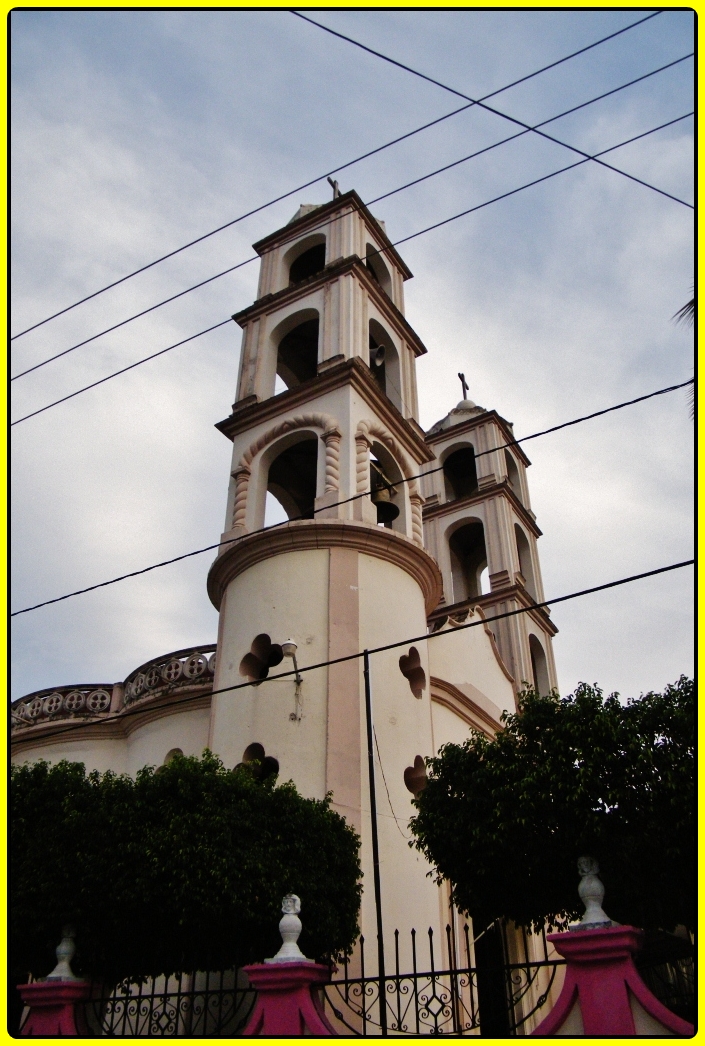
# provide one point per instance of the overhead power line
(369, 203)
(498, 112)
(262, 530)
(427, 636)
(335, 170)
(383, 250)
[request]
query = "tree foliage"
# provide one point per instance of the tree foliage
(181, 869)
(505, 820)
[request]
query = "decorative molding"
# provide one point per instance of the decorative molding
(494, 489)
(444, 693)
(368, 539)
(474, 423)
(353, 372)
(353, 264)
(294, 229)
(298, 421)
(514, 595)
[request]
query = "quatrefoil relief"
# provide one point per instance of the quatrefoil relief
(263, 655)
(410, 665)
(415, 777)
(261, 765)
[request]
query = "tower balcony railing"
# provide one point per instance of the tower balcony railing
(191, 668)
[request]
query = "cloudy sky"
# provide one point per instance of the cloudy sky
(134, 132)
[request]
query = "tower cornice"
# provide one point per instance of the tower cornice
(310, 221)
(353, 372)
(502, 488)
(303, 534)
(492, 601)
(474, 423)
(337, 268)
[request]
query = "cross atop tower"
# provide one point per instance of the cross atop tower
(464, 384)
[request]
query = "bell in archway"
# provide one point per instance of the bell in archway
(386, 509)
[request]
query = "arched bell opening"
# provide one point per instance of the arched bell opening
(304, 259)
(468, 559)
(291, 477)
(460, 473)
(525, 564)
(539, 666)
(388, 491)
(377, 269)
(297, 354)
(308, 264)
(512, 473)
(384, 363)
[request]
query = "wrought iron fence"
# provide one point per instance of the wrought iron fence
(489, 997)
(212, 1005)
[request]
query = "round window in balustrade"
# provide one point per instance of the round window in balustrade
(211, 663)
(172, 670)
(139, 684)
(152, 678)
(52, 704)
(98, 701)
(195, 666)
(34, 708)
(74, 701)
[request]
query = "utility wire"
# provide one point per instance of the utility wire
(335, 170)
(400, 643)
(369, 203)
(355, 497)
(382, 250)
(122, 370)
(498, 112)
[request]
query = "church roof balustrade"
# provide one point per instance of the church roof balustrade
(190, 669)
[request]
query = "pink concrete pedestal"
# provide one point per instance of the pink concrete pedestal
(286, 1005)
(51, 1006)
(603, 993)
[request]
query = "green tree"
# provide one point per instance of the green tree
(505, 820)
(181, 869)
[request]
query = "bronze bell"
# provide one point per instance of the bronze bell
(386, 509)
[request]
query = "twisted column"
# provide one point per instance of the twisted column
(242, 482)
(362, 463)
(416, 502)
(332, 438)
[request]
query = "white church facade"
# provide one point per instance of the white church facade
(393, 533)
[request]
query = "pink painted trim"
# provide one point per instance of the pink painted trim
(599, 977)
(51, 1006)
(286, 1004)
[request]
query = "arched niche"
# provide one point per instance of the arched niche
(291, 468)
(384, 363)
(378, 269)
(459, 471)
(525, 565)
(296, 342)
(383, 466)
(539, 665)
(304, 259)
(468, 559)
(512, 473)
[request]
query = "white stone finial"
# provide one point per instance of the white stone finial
(65, 953)
(591, 893)
(290, 929)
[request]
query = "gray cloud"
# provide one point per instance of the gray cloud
(135, 131)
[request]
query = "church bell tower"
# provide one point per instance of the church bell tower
(341, 450)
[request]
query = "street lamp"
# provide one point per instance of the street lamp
(289, 649)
